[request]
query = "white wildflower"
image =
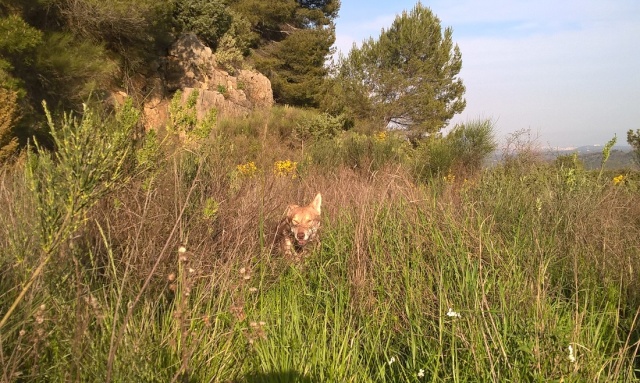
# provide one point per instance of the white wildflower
(453, 314)
(182, 250)
(572, 357)
(421, 373)
(391, 361)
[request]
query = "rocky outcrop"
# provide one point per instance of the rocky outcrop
(191, 65)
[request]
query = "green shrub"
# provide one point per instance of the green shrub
(358, 151)
(207, 19)
(318, 126)
(569, 161)
(234, 45)
(471, 143)
(466, 147)
(75, 69)
(88, 163)
(184, 120)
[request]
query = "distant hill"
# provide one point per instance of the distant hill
(621, 156)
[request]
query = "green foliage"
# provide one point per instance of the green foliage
(16, 36)
(319, 126)
(296, 67)
(235, 43)
(18, 41)
(606, 152)
(211, 208)
(148, 155)
(133, 31)
(266, 17)
(8, 109)
(296, 41)
(489, 278)
(569, 161)
(223, 91)
(634, 140)
(466, 147)
(183, 117)
(432, 157)
(70, 49)
(118, 24)
(184, 120)
(472, 143)
(89, 162)
(407, 78)
(275, 20)
(208, 19)
(74, 69)
(366, 154)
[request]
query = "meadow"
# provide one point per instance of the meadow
(152, 260)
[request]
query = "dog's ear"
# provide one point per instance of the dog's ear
(289, 211)
(316, 203)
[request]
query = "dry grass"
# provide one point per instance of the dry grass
(533, 257)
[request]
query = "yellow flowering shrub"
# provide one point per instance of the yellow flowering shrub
(449, 178)
(286, 168)
(247, 170)
(618, 180)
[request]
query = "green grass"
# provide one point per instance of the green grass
(534, 259)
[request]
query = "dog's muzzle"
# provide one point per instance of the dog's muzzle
(301, 238)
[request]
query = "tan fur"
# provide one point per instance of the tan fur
(299, 228)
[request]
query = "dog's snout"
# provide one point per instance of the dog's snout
(300, 235)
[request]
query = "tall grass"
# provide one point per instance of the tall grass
(480, 275)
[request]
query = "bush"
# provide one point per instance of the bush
(118, 23)
(472, 142)
(466, 147)
(319, 126)
(73, 69)
(208, 19)
(358, 151)
(89, 162)
(234, 45)
(569, 161)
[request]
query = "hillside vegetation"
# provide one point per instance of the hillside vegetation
(73, 52)
(156, 262)
(149, 256)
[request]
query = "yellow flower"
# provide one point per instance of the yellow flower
(286, 168)
(247, 170)
(450, 178)
(381, 136)
(618, 180)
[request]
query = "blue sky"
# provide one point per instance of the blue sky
(567, 71)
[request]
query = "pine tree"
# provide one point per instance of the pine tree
(296, 66)
(296, 39)
(408, 77)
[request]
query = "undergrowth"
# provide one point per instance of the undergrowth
(430, 268)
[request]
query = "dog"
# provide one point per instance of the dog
(299, 228)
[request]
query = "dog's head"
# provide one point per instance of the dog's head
(304, 220)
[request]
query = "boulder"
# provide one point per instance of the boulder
(191, 65)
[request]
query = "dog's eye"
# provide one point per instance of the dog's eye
(295, 222)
